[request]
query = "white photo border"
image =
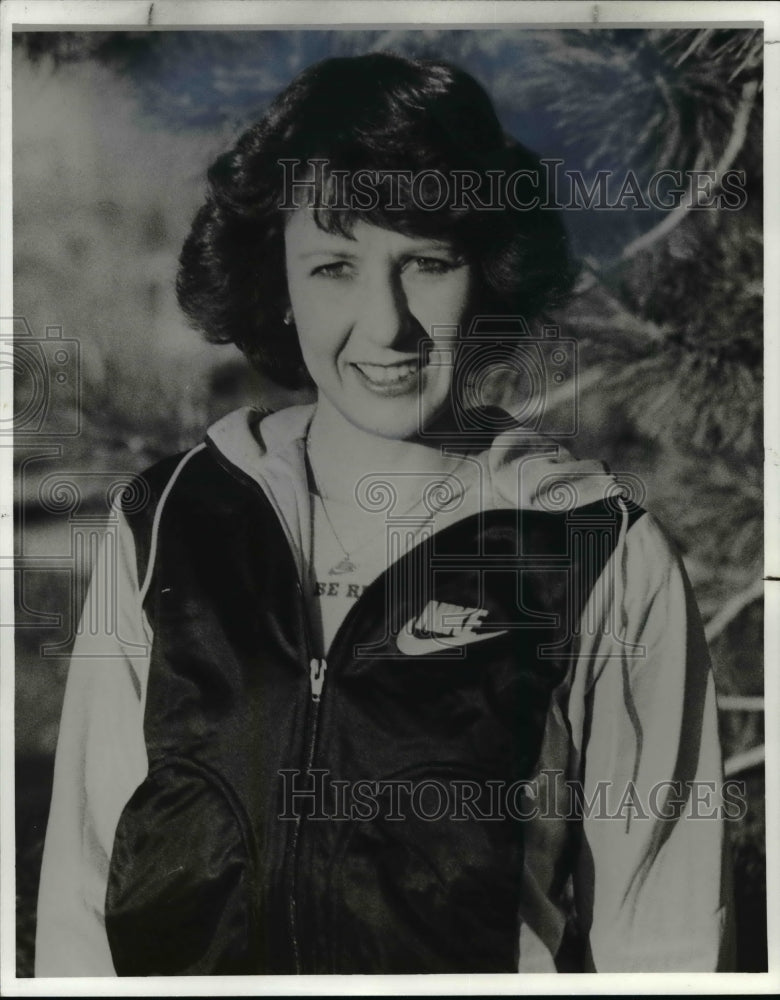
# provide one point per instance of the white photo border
(346, 14)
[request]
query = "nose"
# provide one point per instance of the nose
(386, 319)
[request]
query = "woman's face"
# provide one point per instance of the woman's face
(362, 305)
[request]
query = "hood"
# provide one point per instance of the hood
(517, 471)
(536, 473)
(522, 470)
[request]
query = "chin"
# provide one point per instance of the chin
(391, 430)
(405, 425)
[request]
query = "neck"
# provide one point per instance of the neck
(342, 453)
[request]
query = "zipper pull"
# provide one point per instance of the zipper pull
(317, 670)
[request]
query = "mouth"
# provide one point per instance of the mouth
(389, 380)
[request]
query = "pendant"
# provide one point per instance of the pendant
(345, 566)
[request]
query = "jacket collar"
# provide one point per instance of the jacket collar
(527, 471)
(270, 449)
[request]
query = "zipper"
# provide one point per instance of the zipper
(316, 681)
(317, 669)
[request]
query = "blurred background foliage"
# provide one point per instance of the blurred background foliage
(112, 135)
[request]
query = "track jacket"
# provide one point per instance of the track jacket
(507, 759)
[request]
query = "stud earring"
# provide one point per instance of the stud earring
(288, 317)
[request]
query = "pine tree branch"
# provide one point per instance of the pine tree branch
(622, 318)
(740, 703)
(744, 761)
(735, 143)
(698, 39)
(732, 608)
(695, 196)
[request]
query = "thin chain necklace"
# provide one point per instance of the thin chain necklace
(347, 564)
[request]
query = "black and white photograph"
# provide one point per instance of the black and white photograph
(385, 451)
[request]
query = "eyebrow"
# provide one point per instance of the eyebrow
(439, 246)
(328, 252)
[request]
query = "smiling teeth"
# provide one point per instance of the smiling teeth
(388, 374)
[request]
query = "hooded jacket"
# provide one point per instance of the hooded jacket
(539, 637)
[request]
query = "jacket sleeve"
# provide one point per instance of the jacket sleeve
(100, 760)
(652, 880)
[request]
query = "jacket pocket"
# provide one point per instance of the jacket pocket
(179, 898)
(431, 891)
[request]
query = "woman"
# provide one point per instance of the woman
(401, 687)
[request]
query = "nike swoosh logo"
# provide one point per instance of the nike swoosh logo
(415, 645)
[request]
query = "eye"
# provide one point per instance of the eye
(335, 269)
(434, 265)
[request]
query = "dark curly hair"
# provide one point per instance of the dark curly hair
(379, 113)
